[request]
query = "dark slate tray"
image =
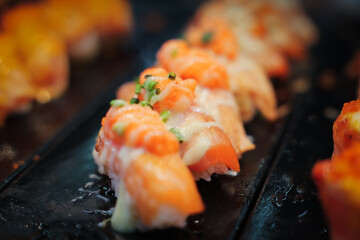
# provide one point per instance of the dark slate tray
(58, 193)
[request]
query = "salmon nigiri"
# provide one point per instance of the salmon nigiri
(154, 187)
(41, 52)
(202, 139)
(338, 182)
(15, 87)
(175, 55)
(248, 82)
(249, 33)
(233, 125)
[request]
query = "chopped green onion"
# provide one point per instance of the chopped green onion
(117, 103)
(151, 94)
(207, 37)
(137, 88)
(172, 76)
(157, 91)
(152, 85)
(149, 85)
(165, 115)
(119, 128)
(147, 76)
(178, 134)
(146, 104)
(134, 101)
(174, 53)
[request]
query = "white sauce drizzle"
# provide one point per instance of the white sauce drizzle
(197, 151)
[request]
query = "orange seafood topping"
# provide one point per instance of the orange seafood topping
(346, 129)
(175, 93)
(137, 126)
(165, 181)
(177, 56)
(214, 34)
(342, 170)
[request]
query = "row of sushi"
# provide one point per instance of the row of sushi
(183, 118)
(338, 178)
(36, 39)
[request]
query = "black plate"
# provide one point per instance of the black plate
(62, 196)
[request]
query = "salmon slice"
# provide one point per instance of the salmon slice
(222, 107)
(126, 91)
(139, 127)
(174, 93)
(177, 56)
(169, 185)
(213, 34)
(251, 88)
(250, 33)
(206, 149)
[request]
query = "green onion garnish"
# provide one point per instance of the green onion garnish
(117, 103)
(151, 94)
(152, 85)
(134, 101)
(207, 37)
(157, 91)
(146, 104)
(172, 76)
(119, 128)
(177, 133)
(147, 76)
(137, 88)
(164, 115)
(174, 53)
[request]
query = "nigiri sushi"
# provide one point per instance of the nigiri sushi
(249, 33)
(346, 129)
(40, 51)
(15, 87)
(338, 183)
(200, 65)
(248, 82)
(154, 187)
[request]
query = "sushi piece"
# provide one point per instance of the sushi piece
(202, 66)
(248, 82)
(204, 147)
(109, 17)
(41, 52)
(346, 129)
(222, 107)
(175, 55)
(338, 182)
(213, 34)
(16, 90)
(252, 89)
(249, 33)
(65, 19)
(154, 187)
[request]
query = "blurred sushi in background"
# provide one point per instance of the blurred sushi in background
(338, 179)
(47, 34)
